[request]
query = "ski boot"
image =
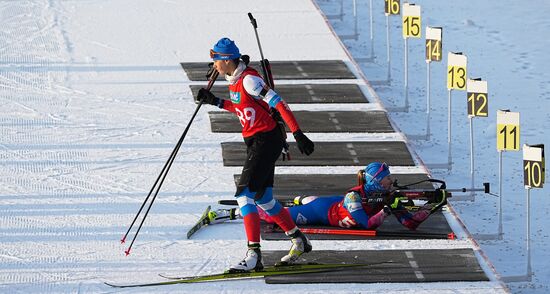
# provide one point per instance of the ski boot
(300, 245)
(252, 261)
(221, 215)
(303, 200)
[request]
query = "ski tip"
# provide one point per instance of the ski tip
(114, 285)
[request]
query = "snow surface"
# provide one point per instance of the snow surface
(93, 101)
(506, 44)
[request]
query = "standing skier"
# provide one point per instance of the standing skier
(251, 100)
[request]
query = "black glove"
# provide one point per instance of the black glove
(304, 143)
(387, 210)
(439, 201)
(393, 199)
(207, 97)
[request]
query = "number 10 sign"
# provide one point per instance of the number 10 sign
(533, 166)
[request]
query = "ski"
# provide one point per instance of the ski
(226, 276)
(200, 223)
(272, 268)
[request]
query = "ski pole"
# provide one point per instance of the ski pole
(164, 171)
(264, 63)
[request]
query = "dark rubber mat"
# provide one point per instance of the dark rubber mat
(306, 93)
(435, 227)
(288, 186)
(283, 70)
(331, 154)
(385, 266)
(316, 122)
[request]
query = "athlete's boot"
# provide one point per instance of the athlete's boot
(221, 215)
(300, 245)
(251, 262)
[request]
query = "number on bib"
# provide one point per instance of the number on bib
(346, 222)
(248, 114)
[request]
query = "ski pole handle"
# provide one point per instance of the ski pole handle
(212, 79)
(264, 62)
(255, 25)
(253, 20)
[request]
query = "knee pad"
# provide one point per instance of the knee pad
(245, 199)
(268, 203)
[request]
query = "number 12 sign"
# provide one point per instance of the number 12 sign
(478, 103)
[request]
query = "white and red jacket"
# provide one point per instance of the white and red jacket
(250, 100)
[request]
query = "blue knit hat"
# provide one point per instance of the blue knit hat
(374, 173)
(225, 49)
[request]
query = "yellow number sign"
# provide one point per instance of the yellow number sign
(412, 21)
(456, 71)
(392, 7)
(507, 130)
(478, 105)
(533, 166)
(434, 45)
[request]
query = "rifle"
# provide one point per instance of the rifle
(402, 193)
(268, 78)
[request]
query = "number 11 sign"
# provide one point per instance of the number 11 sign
(507, 130)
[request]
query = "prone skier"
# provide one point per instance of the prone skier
(353, 210)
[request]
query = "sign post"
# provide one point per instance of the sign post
(507, 140)
(456, 80)
(478, 106)
(533, 177)
(391, 7)
(371, 30)
(355, 34)
(412, 28)
(434, 46)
